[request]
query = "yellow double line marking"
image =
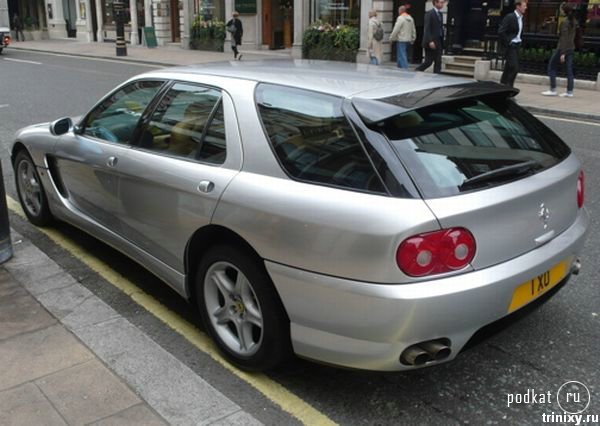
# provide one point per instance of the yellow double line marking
(288, 402)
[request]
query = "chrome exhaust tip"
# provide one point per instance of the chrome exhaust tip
(421, 353)
(436, 349)
(414, 355)
(576, 267)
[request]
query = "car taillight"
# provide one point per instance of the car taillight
(580, 189)
(436, 252)
(6, 40)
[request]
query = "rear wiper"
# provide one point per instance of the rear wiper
(512, 170)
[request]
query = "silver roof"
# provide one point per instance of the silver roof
(336, 78)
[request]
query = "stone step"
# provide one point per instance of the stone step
(460, 66)
(466, 59)
(460, 73)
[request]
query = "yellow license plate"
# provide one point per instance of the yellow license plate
(532, 289)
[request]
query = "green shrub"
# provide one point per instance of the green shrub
(324, 41)
(207, 34)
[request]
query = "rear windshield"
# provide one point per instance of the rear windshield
(472, 144)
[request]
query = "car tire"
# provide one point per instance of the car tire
(31, 191)
(241, 309)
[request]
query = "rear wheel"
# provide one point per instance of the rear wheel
(241, 309)
(31, 192)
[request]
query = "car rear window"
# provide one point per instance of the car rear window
(471, 144)
(312, 139)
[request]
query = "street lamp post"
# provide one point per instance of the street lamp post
(119, 14)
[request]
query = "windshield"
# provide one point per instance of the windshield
(471, 144)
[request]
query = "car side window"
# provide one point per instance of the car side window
(185, 124)
(117, 116)
(313, 140)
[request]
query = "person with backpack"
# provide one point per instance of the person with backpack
(564, 52)
(404, 34)
(235, 28)
(375, 35)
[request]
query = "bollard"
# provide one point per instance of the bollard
(119, 14)
(5, 244)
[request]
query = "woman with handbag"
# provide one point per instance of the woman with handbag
(234, 27)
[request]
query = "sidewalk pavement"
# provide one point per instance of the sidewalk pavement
(583, 105)
(67, 358)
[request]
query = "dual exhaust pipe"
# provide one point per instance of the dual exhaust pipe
(421, 353)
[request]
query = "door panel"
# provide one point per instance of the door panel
(91, 183)
(163, 202)
(186, 157)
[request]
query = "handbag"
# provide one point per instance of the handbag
(231, 28)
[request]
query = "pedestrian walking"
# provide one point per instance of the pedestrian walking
(564, 52)
(510, 32)
(235, 28)
(404, 34)
(433, 38)
(18, 27)
(374, 39)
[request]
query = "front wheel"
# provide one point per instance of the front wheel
(30, 190)
(241, 309)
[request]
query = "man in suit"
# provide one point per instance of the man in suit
(510, 32)
(433, 38)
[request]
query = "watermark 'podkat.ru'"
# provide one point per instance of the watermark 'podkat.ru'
(572, 397)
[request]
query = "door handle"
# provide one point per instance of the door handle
(112, 161)
(206, 186)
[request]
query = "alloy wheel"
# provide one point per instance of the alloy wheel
(233, 308)
(29, 187)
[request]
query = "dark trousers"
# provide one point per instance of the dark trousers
(432, 56)
(553, 67)
(511, 65)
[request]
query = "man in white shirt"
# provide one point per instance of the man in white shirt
(510, 32)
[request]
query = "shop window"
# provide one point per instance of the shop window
(337, 12)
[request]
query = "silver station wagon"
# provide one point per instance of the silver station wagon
(353, 215)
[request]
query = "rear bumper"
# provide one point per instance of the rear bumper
(367, 326)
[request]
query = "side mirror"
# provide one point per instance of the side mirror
(61, 126)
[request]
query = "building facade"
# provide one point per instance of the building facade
(274, 24)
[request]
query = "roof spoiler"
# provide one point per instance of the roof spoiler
(373, 111)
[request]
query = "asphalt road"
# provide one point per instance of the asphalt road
(557, 343)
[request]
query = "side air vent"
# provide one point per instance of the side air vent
(55, 176)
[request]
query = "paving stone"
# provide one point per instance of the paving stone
(76, 306)
(136, 415)
(35, 274)
(33, 355)
(8, 286)
(26, 405)
(169, 387)
(87, 392)
(21, 313)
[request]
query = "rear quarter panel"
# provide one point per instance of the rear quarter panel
(321, 229)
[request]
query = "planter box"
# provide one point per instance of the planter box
(207, 44)
(330, 53)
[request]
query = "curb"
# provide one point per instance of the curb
(562, 114)
(83, 55)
